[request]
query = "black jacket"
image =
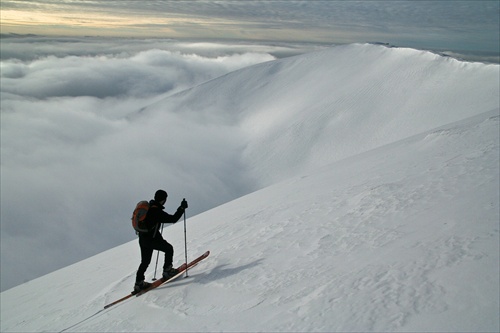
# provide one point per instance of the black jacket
(156, 216)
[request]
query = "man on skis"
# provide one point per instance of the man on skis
(153, 240)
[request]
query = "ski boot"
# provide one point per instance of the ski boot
(169, 271)
(141, 285)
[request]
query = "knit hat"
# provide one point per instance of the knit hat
(160, 195)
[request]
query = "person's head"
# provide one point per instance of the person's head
(161, 196)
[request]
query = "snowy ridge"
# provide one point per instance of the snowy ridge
(382, 212)
(296, 114)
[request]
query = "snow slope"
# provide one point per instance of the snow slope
(381, 214)
(296, 114)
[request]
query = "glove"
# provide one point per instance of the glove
(184, 204)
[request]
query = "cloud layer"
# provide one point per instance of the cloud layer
(75, 154)
(96, 127)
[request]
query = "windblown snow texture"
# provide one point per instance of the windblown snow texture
(379, 209)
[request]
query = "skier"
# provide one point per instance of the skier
(153, 240)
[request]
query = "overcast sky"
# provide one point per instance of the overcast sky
(453, 25)
(70, 105)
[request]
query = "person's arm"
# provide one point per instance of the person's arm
(167, 218)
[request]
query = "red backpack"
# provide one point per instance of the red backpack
(139, 217)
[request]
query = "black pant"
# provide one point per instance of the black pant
(148, 245)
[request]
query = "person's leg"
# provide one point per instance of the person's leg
(168, 249)
(169, 256)
(146, 254)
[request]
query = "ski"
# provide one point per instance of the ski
(182, 269)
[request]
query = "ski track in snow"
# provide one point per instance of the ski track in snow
(402, 237)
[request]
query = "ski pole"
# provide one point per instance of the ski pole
(185, 242)
(157, 255)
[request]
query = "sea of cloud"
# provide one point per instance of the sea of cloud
(75, 156)
(77, 151)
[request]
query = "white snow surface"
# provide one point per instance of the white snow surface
(378, 208)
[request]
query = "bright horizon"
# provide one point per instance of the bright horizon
(470, 26)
